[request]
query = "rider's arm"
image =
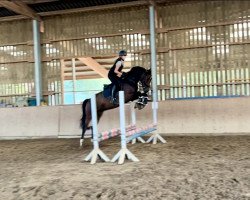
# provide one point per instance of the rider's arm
(117, 66)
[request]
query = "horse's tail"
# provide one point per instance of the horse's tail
(83, 119)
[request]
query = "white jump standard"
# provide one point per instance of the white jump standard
(155, 135)
(124, 152)
(96, 152)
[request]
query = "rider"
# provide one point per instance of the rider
(115, 74)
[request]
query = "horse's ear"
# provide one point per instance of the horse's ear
(149, 71)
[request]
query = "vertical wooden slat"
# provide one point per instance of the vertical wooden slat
(247, 75)
(62, 80)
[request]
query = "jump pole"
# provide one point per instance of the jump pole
(124, 152)
(133, 123)
(155, 136)
(96, 152)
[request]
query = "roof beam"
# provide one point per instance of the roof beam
(37, 1)
(84, 9)
(91, 63)
(21, 8)
(82, 77)
(97, 8)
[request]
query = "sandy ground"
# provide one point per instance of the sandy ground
(184, 168)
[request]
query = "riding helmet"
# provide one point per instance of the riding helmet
(123, 53)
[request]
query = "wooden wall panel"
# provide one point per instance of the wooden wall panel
(203, 48)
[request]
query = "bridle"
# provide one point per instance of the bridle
(144, 82)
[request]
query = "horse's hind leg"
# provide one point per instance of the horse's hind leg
(99, 114)
(87, 121)
(86, 118)
(82, 137)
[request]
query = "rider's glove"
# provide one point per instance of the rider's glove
(124, 74)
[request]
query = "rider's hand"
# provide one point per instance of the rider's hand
(124, 74)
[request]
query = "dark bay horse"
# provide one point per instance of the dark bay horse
(129, 86)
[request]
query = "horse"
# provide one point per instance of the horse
(129, 85)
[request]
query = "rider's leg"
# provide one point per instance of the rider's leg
(113, 92)
(115, 88)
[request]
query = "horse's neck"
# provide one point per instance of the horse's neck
(130, 88)
(132, 81)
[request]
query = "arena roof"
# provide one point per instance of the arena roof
(20, 9)
(55, 5)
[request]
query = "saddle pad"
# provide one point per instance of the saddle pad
(107, 90)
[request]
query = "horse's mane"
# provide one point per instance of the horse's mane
(134, 75)
(136, 71)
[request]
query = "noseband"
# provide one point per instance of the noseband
(145, 86)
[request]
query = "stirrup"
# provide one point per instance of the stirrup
(114, 101)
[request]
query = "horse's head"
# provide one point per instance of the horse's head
(140, 75)
(143, 76)
(145, 80)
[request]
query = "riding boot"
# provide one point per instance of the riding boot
(113, 95)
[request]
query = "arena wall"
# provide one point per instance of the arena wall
(228, 116)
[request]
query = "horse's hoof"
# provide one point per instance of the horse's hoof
(81, 142)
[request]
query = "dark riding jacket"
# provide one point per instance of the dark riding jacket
(112, 70)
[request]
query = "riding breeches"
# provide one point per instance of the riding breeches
(115, 80)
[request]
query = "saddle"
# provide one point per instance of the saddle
(107, 90)
(140, 104)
